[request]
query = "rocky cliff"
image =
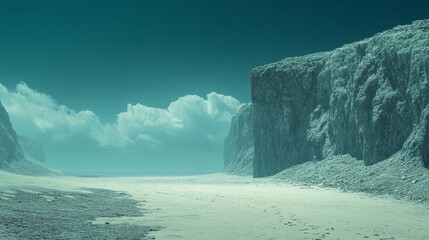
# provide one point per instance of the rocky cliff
(9, 147)
(368, 99)
(238, 145)
(13, 157)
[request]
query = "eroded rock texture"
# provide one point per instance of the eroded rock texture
(365, 99)
(238, 145)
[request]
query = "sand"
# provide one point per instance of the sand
(221, 206)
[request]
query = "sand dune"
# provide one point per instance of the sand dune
(221, 206)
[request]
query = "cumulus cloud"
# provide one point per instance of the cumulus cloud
(187, 123)
(39, 116)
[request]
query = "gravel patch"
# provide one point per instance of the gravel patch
(401, 179)
(36, 213)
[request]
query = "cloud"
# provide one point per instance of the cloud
(190, 121)
(189, 124)
(38, 116)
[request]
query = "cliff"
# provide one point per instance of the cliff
(9, 147)
(19, 157)
(368, 99)
(238, 145)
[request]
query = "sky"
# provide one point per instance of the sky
(152, 84)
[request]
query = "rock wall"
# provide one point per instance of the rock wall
(238, 145)
(368, 99)
(9, 148)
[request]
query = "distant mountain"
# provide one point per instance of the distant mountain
(9, 147)
(32, 149)
(238, 145)
(19, 157)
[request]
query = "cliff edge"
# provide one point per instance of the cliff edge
(368, 99)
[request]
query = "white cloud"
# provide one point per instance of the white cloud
(39, 116)
(188, 122)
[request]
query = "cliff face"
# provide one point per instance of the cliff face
(368, 99)
(13, 157)
(9, 149)
(238, 145)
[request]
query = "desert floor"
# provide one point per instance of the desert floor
(221, 206)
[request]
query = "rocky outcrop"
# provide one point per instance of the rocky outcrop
(368, 99)
(238, 145)
(9, 147)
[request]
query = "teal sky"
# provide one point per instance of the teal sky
(102, 55)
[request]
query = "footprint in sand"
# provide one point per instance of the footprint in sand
(314, 227)
(289, 224)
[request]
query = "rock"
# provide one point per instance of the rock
(238, 145)
(9, 147)
(368, 99)
(424, 142)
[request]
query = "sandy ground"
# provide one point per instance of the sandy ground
(221, 206)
